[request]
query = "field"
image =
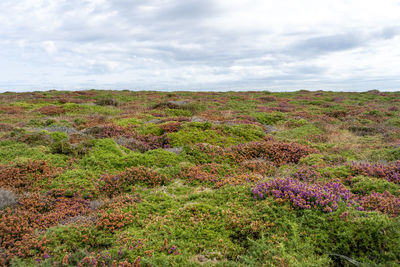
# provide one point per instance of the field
(122, 178)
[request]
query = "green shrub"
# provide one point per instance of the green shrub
(76, 181)
(269, 118)
(304, 132)
(150, 128)
(313, 159)
(105, 155)
(335, 172)
(156, 158)
(395, 122)
(58, 136)
(245, 132)
(365, 185)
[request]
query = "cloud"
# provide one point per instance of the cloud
(199, 44)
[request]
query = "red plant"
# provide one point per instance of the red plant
(23, 177)
(277, 152)
(171, 127)
(51, 110)
(113, 185)
(34, 212)
(390, 172)
(383, 202)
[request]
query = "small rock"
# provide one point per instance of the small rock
(155, 121)
(179, 103)
(197, 119)
(67, 130)
(176, 150)
(270, 129)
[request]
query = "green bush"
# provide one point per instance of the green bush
(76, 181)
(365, 185)
(58, 136)
(269, 118)
(312, 159)
(245, 132)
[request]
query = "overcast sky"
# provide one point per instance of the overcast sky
(199, 44)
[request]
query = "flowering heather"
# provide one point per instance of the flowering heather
(304, 195)
(390, 172)
(307, 174)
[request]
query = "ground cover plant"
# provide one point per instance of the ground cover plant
(122, 178)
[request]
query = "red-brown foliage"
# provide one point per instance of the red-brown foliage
(113, 185)
(171, 127)
(34, 212)
(385, 203)
(11, 110)
(277, 152)
(238, 180)
(23, 177)
(51, 110)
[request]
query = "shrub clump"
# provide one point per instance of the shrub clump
(390, 172)
(51, 110)
(123, 182)
(277, 152)
(23, 177)
(383, 202)
(305, 195)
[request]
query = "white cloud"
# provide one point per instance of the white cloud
(199, 44)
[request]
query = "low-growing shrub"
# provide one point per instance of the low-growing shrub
(383, 202)
(277, 152)
(51, 110)
(124, 181)
(107, 102)
(363, 185)
(389, 172)
(325, 196)
(23, 177)
(238, 180)
(269, 118)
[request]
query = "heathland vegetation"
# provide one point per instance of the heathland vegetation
(122, 178)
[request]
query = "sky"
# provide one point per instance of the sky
(285, 45)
